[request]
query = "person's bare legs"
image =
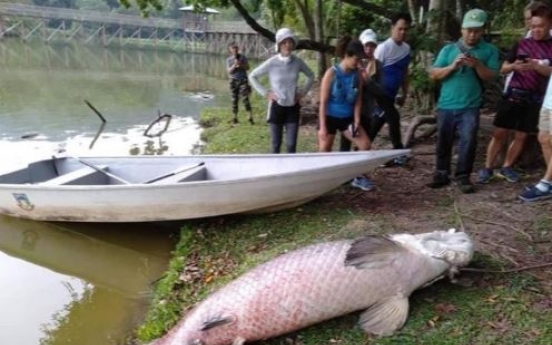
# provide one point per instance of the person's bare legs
(515, 148)
(495, 145)
(545, 141)
(325, 144)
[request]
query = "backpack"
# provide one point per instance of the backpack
(340, 92)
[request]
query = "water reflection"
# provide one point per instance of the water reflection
(65, 285)
(80, 284)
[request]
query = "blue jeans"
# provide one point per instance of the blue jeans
(465, 122)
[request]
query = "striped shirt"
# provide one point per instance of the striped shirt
(530, 80)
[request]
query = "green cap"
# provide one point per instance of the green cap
(474, 19)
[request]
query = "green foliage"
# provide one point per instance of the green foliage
(224, 137)
(166, 306)
(145, 6)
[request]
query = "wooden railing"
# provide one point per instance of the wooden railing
(23, 10)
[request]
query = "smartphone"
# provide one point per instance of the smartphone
(522, 57)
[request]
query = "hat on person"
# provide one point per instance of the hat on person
(282, 34)
(368, 36)
(475, 18)
(355, 48)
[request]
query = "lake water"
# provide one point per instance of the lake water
(43, 91)
(90, 283)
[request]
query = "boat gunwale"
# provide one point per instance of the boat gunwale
(214, 182)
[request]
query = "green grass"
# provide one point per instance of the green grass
(224, 137)
(483, 309)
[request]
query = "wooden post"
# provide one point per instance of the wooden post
(103, 36)
(2, 27)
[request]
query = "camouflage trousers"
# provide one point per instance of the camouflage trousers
(240, 88)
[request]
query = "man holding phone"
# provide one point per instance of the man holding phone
(459, 68)
(530, 61)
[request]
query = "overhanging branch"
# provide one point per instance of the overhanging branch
(302, 44)
(365, 5)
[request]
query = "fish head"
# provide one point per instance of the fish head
(455, 248)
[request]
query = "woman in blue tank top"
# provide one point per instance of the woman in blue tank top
(341, 102)
(340, 98)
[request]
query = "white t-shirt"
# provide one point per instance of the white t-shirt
(547, 103)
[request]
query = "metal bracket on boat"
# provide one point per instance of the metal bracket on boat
(165, 117)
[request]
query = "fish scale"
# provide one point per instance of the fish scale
(303, 287)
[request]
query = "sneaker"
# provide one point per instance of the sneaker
(465, 185)
(535, 194)
(397, 161)
(485, 175)
(363, 183)
(251, 121)
(509, 174)
(439, 181)
(235, 120)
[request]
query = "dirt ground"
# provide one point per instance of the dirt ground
(511, 232)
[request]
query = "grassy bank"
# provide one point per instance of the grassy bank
(481, 309)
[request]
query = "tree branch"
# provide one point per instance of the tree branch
(365, 5)
(302, 44)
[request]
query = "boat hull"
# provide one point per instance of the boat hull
(139, 202)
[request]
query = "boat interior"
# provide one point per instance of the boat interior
(52, 173)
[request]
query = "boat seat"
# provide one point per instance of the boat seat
(85, 175)
(195, 174)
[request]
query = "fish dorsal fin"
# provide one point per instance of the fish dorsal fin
(385, 317)
(216, 321)
(372, 252)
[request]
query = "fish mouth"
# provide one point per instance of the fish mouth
(455, 248)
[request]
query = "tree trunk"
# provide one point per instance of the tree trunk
(319, 26)
(309, 22)
(412, 10)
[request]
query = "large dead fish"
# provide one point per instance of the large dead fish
(323, 281)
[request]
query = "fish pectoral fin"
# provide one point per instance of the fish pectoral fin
(217, 321)
(238, 341)
(372, 252)
(385, 317)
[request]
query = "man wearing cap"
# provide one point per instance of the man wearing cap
(518, 111)
(461, 67)
(284, 94)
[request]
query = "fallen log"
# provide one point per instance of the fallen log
(417, 122)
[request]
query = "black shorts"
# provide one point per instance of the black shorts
(334, 124)
(518, 115)
(280, 115)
